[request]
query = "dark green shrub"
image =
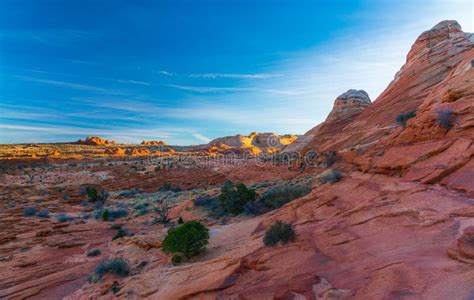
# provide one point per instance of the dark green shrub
(189, 239)
(233, 197)
(330, 176)
(180, 220)
(95, 196)
(445, 118)
(168, 187)
(176, 259)
(121, 232)
(279, 232)
(29, 211)
(111, 215)
(93, 252)
(278, 196)
(116, 266)
(105, 215)
(330, 158)
(44, 214)
(403, 118)
(64, 218)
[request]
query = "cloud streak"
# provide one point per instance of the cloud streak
(70, 85)
(207, 89)
(234, 76)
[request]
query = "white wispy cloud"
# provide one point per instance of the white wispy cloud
(207, 89)
(235, 76)
(166, 73)
(133, 82)
(71, 85)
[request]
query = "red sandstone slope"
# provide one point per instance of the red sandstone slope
(372, 235)
(438, 58)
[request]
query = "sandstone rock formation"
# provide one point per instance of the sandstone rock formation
(398, 225)
(95, 141)
(254, 143)
(153, 143)
(346, 107)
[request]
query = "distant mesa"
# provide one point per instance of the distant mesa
(254, 143)
(95, 141)
(153, 143)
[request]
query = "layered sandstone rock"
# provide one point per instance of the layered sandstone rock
(254, 143)
(153, 143)
(436, 56)
(95, 141)
(346, 107)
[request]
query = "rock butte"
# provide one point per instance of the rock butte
(399, 225)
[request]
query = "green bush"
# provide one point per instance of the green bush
(93, 252)
(189, 239)
(121, 232)
(233, 197)
(330, 176)
(116, 266)
(29, 211)
(95, 196)
(176, 259)
(278, 196)
(279, 232)
(403, 118)
(105, 215)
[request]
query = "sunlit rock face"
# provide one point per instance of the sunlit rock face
(254, 143)
(349, 104)
(346, 107)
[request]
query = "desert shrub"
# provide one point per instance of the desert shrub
(168, 187)
(93, 252)
(445, 118)
(233, 197)
(256, 207)
(206, 201)
(44, 214)
(95, 196)
(279, 232)
(122, 232)
(330, 176)
(29, 211)
(64, 218)
(189, 239)
(330, 158)
(162, 209)
(403, 118)
(105, 215)
(280, 195)
(116, 266)
(176, 259)
(141, 205)
(110, 214)
(180, 220)
(142, 211)
(129, 193)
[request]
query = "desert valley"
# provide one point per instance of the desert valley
(376, 202)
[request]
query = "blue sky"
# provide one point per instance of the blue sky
(189, 71)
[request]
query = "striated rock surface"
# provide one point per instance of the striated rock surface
(438, 55)
(346, 107)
